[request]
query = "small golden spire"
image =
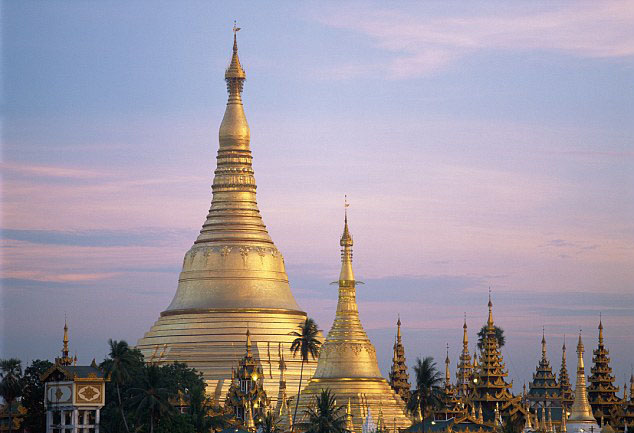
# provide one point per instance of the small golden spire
(349, 424)
(600, 329)
(543, 343)
(490, 320)
(65, 348)
(248, 343)
(398, 328)
(447, 373)
(347, 275)
(465, 337)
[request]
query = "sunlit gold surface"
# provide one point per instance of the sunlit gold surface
(580, 412)
(233, 277)
(347, 361)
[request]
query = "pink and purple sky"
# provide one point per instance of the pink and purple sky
(480, 144)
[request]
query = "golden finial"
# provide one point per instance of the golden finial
(65, 349)
(398, 327)
(235, 75)
(248, 342)
(346, 275)
(490, 320)
(600, 329)
(465, 337)
(543, 343)
(447, 373)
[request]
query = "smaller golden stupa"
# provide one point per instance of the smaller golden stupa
(347, 362)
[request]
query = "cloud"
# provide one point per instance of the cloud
(49, 171)
(421, 43)
(103, 238)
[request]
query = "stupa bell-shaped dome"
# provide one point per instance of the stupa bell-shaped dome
(233, 277)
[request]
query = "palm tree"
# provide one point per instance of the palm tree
(499, 335)
(428, 378)
(10, 383)
(118, 368)
(152, 398)
(325, 416)
(270, 424)
(306, 344)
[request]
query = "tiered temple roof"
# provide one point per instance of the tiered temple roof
(464, 372)
(565, 389)
(490, 388)
(601, 391)
(246, 397)
(544, 392)
(451, 404)
(627, 409)
(399, 378)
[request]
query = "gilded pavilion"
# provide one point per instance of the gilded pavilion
(464, 372)
(544, 395)
(233, 277)
(490, 391)
(246, 397)
(347, 362)
(399, 378)
(565, 389)
(601, 391)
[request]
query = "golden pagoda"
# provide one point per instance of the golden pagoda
(233, 276)
(581, 419)
(464, 372)
(347, 362)
(399, 378)
(601, 390)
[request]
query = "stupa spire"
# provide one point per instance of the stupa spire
(233, 263)
(490, 319)
(347, 327)
(543, 343)
(347, 363)
(66, 358)
(580, 412)
(346, 243)
(447, 372)
(233, 274)
(65, 350)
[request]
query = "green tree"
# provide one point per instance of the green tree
(306, 344)
(499, 335)
(324, 416)
(10, 384)
(151, 398)
(269, 424)
(33, 396)
(428, 379)
(119, 367)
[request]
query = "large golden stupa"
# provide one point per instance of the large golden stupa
(233, 277)
(347, 362)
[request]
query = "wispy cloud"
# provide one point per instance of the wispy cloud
(49, 171)
(421, 44)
